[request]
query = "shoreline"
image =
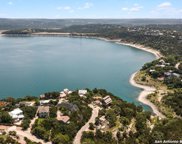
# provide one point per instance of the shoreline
(146, 90)
(143, 95)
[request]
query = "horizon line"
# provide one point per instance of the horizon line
(99, 18)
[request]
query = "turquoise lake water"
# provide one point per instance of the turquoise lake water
(34, 65)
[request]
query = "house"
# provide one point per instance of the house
(64, 119)
(151, 70)
(44, 102)
(64, 93)
(42, 96)
(43, 111)
(102, 120)
(82, 93)
(67, 91)
(167, 74)
(97, 102)
(162, 65)
(162, 61)
(71, 107)
(107, 100)
(16, 114)
(26, 103)
(2, 103)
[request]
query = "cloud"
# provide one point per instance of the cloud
(10, 3)
(134, 8)
(87, 5)
(166, 10)
(164, 5)
(66, 8)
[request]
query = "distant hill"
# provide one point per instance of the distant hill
(60, 23)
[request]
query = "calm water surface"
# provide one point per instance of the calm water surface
(34, 65)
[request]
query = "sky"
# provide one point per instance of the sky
(90, 9)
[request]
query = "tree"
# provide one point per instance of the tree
(91, 126)
(61, 139)
(111, 117)
(53, 112)
(5, 118)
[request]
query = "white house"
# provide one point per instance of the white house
(64, 93)
(16, 114)
(44, 102)
(82, 93)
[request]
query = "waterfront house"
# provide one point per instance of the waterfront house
(44, 102)
(16, 114)
(43, 111)
(82, 93)
(65, 93)
(107, 100)
(42, 96)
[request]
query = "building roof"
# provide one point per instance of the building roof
(64, 119)
(102, 118)
(16, 114)
(107, 100)
(43, 109)
(16, 111)
(82, 92)
(44, 101)
(2, 104)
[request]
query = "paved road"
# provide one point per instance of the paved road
(95, 112)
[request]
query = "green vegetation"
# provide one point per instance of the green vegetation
(5, 118)
(29, 113)
(168, 81)
(50, 129)
(174, 100)
(5, 139)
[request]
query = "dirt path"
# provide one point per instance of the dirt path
(95, 112)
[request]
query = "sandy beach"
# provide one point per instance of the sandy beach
(143, 96)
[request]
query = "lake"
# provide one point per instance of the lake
(34, 65)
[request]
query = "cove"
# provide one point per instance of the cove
(34, 65)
